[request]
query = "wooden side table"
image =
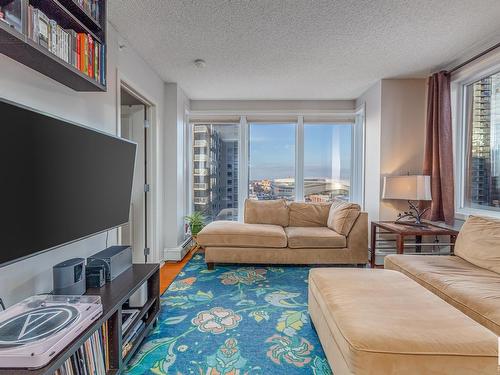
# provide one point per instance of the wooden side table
(401, 231)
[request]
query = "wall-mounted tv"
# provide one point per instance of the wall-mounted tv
(60, 182)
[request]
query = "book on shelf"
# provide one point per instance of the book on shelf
(79, 50)
(130, 340)
(92, 358)
(92, 7)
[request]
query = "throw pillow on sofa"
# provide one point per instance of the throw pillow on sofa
(308, 214)
(273, 212)
(342, 216)
(478, 242)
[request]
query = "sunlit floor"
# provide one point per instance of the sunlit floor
(169, 271)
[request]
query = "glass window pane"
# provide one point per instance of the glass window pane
(327, 162)
(482, 182)
(271, 161)
(215, 170)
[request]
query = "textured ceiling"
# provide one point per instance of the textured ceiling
(300, 49)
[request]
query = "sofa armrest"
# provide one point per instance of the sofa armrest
(357, 240)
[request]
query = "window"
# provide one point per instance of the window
(214, 159)
(481, 156)
(327, 162)
(313, 161)
(271, 158)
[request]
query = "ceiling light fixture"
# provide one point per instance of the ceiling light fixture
(200, 63)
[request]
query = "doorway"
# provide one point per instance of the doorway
(134, 126)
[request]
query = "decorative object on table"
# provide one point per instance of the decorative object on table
(115, 259)
(196, 222)
(403, 231)
(34, 331)
(411, 188)
(69, 277)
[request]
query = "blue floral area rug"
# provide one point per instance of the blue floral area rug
(233, 321)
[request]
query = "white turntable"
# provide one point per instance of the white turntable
(35, 330)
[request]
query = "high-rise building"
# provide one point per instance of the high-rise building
(215, 172)
(480, 143)
(485, 143)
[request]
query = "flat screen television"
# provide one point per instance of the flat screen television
(60, 182)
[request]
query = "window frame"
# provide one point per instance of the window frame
(459, 82)
(355, 117)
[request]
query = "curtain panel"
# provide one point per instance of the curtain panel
(438, 154)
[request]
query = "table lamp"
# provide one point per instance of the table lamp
(411, 188)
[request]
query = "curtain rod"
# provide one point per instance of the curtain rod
(474, 58)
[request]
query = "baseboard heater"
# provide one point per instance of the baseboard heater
(177, 253)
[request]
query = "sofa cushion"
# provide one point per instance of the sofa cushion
(479, 242)
(274, 212)
(382, 322)
(314, 237)
(471, 289)
(308, 214)
(231, 233)
(342, 216)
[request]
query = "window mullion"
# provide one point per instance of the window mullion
(243, 167)
(299, 159)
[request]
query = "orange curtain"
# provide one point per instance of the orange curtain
(438, 156)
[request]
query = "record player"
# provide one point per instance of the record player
(35, 330)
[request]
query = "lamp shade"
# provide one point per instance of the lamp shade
(414, 188)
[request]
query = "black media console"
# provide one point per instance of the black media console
(113, 295)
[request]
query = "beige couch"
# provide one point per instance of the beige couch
(444, 321)
(469, 280)
(380, 322)
(277, 232)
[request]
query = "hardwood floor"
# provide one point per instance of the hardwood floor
(169, 271)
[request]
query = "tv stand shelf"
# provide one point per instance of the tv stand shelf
(113, 296)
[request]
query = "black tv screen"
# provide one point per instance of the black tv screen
(60, 182)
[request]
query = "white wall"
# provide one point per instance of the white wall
(404, 104)
(98, 110)
(242, 106)
(174, 195)
(372, 101)
(395, 136)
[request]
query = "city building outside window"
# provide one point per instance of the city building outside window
(481, 151)
(215, 166)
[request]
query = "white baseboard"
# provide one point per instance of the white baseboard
(177, 253)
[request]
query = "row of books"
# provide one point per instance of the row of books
(77, 49)
(92, 358)
(130, 339)
(92, 7)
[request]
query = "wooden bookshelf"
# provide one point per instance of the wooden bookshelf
(113, 296)
(69, 15)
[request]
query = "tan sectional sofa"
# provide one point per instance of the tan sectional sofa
(381, 322)
(437, 315)
(277, 232)
(468, 280)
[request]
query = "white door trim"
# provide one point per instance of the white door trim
(153, 161)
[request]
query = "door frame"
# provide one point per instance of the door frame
(152, 162)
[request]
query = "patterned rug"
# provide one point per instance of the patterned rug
(233, 321)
